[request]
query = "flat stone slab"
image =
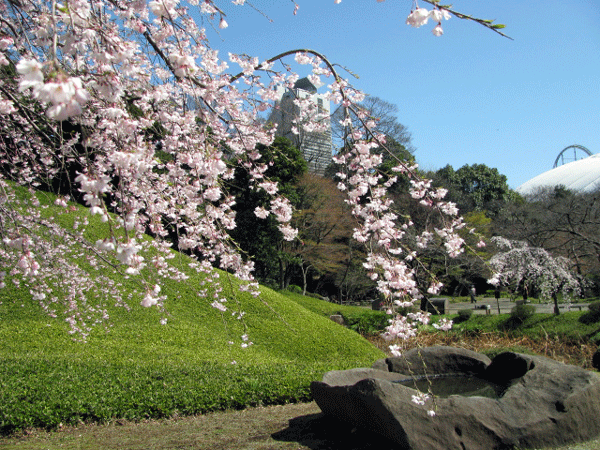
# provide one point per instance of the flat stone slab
(542, 402)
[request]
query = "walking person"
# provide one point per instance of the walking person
(473, 293)
(497, 296)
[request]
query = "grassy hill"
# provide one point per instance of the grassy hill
(139, 369)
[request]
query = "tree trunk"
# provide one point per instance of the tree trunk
(304, 275)
(281, 274)
(555, 298)
(304, 281)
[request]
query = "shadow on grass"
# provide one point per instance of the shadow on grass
(510, 324)
(589, 318)
(320, 432)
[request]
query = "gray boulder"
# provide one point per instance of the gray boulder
(540, 402)
(436, 360)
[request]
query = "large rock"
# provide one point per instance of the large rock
(436, 360)
(542, 402)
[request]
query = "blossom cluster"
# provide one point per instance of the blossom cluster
(65, 94)
(516, 263)
(390, 262)
(126, 108)
(420, 16)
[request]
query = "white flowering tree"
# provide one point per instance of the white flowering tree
(519, 264)
(95, 106)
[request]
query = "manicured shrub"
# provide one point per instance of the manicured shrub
(366, 322)
(295, 289)
(521, 313)
(593, 315)
(143, 369)
(463, 315)
(594, 308)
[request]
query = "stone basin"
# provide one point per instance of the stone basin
(538, 403)
(454, 384)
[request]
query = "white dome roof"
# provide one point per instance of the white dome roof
(579, 176)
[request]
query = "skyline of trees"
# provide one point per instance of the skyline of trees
(324, 259)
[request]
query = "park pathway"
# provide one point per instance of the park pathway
(506, 305)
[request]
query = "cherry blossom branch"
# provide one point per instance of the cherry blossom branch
(115, 78)
(489, 24)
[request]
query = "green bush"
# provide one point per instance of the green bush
(594, 308)
(142, 369)
(362, 320)
(463, 315)
(521, 313)
(593, 315)
(366, 321)
(295, 289)
(568, 326)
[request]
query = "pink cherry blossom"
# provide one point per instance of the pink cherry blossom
(420, 398)
(443, 325)
(218, 305)
(114, 71)
(289, 233)
(395, 350)
(149, 300)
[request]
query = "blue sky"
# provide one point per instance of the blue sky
(470, 96)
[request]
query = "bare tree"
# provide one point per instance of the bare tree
(384, 113)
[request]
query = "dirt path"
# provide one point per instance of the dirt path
(295, 426)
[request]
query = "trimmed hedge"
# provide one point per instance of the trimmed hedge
(139, 369)
(522, 312)
(463, 315)
(363, 320)
(594, 309)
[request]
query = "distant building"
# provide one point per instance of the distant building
(316, 145)
(578, 176)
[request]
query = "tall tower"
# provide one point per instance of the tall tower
(293, 109)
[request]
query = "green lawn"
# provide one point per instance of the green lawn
(573, 326)
(139, 369)
(143, 369)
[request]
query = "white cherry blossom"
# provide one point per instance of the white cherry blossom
(31, 73)
(418, 17)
